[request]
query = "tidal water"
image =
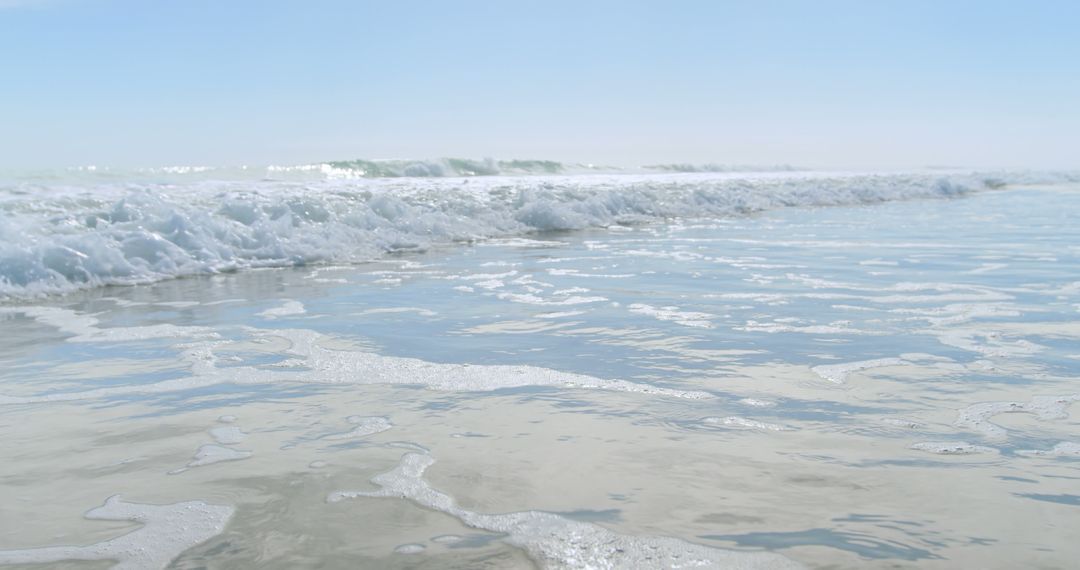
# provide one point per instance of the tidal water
(869, 386)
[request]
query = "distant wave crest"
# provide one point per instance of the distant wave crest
(713, 167)
(365, 168)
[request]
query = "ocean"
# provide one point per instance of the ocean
(472, 364)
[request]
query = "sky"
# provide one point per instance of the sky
(820, 84)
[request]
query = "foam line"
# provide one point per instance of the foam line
(557, 542)
(167, 531)
(314, 364)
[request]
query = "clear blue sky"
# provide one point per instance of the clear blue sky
(818, 83)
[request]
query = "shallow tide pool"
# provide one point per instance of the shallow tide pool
(881, 386)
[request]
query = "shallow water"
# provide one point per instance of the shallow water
(871, 386)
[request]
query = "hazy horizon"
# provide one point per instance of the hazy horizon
(823, 85)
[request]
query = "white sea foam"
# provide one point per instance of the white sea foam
(987, 267)
(482, 276)
(838, 373)
(952, 448)
(84, 328)
(490, 284)
(531, 299)
(903, 423)
(55, 239)
(210, 454)
(757, 403)
(576, 273)
(958, 313)
(412, 548)
(897, 294)
(985, 342)
(838, 327)
(288, 308)
(1063, 449)
(522, 242)
(363, 426)
(978, 416)
(317, 365)
(557, 542)
(738, 422)
(391, 310)
(569, 291)
(167, 531)
(559, 314)
(764, 298)
(227, 435)
(685, 318)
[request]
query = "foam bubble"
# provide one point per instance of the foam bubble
(558, 542)
(166, 531)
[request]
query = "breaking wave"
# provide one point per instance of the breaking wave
(61, 237)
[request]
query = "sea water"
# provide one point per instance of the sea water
(809, 370)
